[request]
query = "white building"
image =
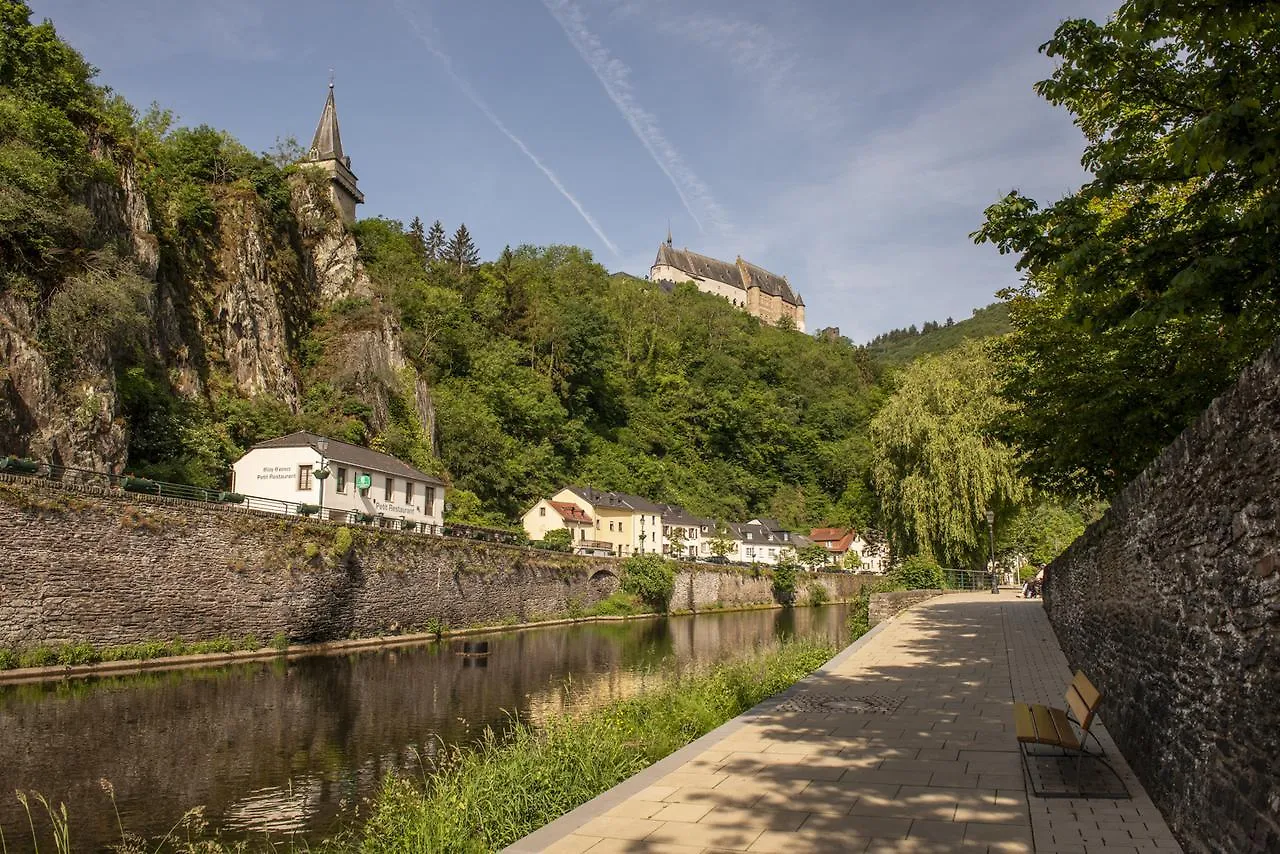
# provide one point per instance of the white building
(359, 481)
(765, 543)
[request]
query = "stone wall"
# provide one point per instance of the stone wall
(1171, 605)
(105, 567)
(882, 606)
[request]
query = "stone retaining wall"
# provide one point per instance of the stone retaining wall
(106, 567)
(882, 606)
(1171, 605)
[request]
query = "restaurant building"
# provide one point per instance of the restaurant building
(356, 481)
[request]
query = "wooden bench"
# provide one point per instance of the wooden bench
(1067, 729)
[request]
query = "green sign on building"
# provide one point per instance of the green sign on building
(363, 481)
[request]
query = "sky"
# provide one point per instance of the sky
(850, 145)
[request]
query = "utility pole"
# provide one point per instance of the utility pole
(991, 540)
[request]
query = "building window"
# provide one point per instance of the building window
(429, 496)
(340, 482)
(386, 493)
(597, 524)
(610, 526)
(748, 535)
(408, 492)
(304, 478)
(542, 511)
(619, 526)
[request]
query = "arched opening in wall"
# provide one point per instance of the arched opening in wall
(604, 584)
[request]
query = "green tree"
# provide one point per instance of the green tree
(418, 237)
(676, 541)
(1041, 531)
(461, 252)
(937, 465)
(1152, 286)
(720, 543)
(812, 556)
(435, 242)
(651, 578)
(558, 539)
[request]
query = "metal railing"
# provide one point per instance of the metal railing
(967, 579)
(71, 476)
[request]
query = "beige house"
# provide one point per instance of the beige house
(629, 524)
(548, 515)
(685, 535)
(755, 290)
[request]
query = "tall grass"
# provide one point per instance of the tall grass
(483, 797)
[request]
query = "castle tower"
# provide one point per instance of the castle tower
(326, 152)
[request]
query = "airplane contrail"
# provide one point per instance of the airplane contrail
(613, 74)
(489, 114)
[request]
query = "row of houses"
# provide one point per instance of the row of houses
(621, 524)
(305, 468)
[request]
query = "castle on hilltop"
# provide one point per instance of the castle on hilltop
(326, 153)
(760, 293)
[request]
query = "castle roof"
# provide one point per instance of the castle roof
(327, 143)
(739, 274)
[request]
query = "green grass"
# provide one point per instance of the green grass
(48, 655)
(620, 604)
(484, 797)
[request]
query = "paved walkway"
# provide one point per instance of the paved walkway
(904, 742)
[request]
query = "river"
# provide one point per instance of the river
(299, 746)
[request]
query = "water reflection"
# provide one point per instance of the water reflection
(294, 747)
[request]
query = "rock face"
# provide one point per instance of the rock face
(236, 312)
(1171, 605)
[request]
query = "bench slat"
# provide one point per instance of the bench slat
(1023, 722)
(1091, 695)
(1046, 732)
(1066, 735)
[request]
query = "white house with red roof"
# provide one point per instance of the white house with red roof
(841, 541)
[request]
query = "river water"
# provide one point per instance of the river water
(297, 747)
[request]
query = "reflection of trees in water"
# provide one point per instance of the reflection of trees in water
(333, 725)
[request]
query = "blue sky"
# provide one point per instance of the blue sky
(848, 144)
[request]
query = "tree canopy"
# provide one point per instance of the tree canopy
(1149, 289)
(937, 466)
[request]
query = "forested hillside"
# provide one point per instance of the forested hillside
(899, 346)
(168, 298)
(545, 370)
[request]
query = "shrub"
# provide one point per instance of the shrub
(342, 543)
(558, 540)
(308, 509)
(784, 582)
(651, 577)
(280, 642)
(919, 572)
(817, 594)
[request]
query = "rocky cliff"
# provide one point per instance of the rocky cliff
(245, 313)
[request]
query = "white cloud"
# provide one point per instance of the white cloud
(614, 76)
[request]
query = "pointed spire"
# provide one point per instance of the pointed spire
(327, 143)
(668, 231)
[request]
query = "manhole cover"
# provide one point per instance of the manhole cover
(874, 704)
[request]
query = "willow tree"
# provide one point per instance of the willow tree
(936, 464)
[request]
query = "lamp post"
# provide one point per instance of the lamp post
(991, 540)
(322, 473)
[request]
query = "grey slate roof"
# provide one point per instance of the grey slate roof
(616, 499)
(739, 274)
(327, 143)
(352, 455)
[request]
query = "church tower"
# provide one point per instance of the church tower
(326, 152)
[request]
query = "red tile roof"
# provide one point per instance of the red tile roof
(570, 512)
(835, 539)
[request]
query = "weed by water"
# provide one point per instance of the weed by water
(483, 797)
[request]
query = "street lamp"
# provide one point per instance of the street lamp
(322, 445)
(991, 539)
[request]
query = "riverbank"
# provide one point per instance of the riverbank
(304, 746)
(162, 660)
